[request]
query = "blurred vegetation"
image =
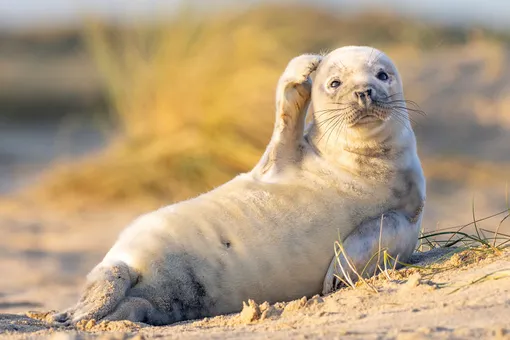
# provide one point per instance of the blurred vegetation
(45, 74)
(194, 97)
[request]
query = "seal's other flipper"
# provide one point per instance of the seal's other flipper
(293, 95)
(106, 287)
(399, 237)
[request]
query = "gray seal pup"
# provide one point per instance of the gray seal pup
(268, 234)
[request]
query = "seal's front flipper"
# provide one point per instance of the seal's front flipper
(398, 236)
(293, 95)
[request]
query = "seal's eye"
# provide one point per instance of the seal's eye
(382, 76)
(335, 83)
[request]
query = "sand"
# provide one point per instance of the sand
(45, 256)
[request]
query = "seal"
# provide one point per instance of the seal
(268, 234)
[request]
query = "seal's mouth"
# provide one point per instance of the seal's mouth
(370, 113)
(368, 118)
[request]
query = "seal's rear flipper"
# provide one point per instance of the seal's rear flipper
(106, 287)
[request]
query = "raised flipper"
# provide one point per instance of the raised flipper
(399, 236)
(293, 96)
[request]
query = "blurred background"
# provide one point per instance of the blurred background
(111, 108)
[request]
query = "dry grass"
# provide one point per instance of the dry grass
(193, 98)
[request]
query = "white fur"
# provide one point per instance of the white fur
(281, 219)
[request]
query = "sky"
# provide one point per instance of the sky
(15, 14)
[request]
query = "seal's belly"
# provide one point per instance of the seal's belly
(267, 242)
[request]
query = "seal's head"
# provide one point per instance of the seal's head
(359, 90)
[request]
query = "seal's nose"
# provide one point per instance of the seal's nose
(363, 95)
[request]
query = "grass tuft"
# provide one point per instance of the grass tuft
(494, 243)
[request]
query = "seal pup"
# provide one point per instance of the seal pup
(268, 234)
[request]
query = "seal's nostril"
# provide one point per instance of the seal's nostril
(363, 94)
